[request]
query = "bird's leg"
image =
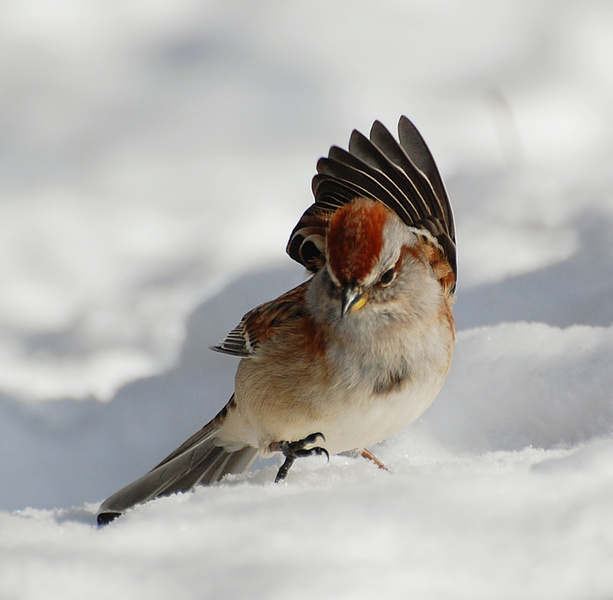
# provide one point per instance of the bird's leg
(370, 456)
(297, 449)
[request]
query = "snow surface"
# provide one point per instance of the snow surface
(154, 157)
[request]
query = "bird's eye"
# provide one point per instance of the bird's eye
(387, 277)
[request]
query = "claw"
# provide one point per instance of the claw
(297, 449)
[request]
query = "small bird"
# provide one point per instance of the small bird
(360, 349)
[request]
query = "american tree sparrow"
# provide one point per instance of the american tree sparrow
(359, 350)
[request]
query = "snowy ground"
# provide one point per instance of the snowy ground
(154, 157)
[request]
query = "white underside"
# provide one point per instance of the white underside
(350, 421)
(362, 425)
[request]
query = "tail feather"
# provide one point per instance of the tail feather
(202, 459)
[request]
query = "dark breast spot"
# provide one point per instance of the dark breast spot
(390, 381)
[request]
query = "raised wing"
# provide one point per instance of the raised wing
(400, 174)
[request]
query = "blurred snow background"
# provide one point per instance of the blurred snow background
(154, 157)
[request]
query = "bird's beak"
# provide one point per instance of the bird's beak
(353, 300)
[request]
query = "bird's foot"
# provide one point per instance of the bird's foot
(297, 449)
(368, 455)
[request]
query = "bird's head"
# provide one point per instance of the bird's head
(366, 245)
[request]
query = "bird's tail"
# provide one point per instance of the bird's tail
(202, 459)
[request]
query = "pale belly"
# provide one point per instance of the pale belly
(363, 425)
(347, 420)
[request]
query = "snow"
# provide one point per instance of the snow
(155, 157)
